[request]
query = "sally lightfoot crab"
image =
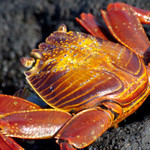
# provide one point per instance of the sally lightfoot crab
(90, 82)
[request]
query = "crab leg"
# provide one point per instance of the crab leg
(9, 104)
(123, 21)
(143, 15)
(91, 24)
(84, 128)
(7, 143)
(126, 27)
(23, 119)
(33, 124)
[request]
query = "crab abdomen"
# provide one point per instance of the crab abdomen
(75, 71)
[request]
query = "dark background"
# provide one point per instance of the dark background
(24, 24)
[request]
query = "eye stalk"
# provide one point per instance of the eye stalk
(36, 54)
(62, 28)
(27, 62)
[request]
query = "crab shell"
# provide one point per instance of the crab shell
(74, 71)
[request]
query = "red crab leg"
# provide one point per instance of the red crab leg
(84, 128)
(10, 104)
(126, 27)
(143, 15)
(7, 143)
(91, 24)
(33, 124)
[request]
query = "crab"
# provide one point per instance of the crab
(90, 82)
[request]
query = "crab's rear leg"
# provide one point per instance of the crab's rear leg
(123, 21)
(126, 27)
(85, 127)
(141, 14)
(92, 25)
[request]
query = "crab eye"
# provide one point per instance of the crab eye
(35, 54)
(27, 62)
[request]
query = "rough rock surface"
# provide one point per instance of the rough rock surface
(24, 24)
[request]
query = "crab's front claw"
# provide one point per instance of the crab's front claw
(84, 128)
